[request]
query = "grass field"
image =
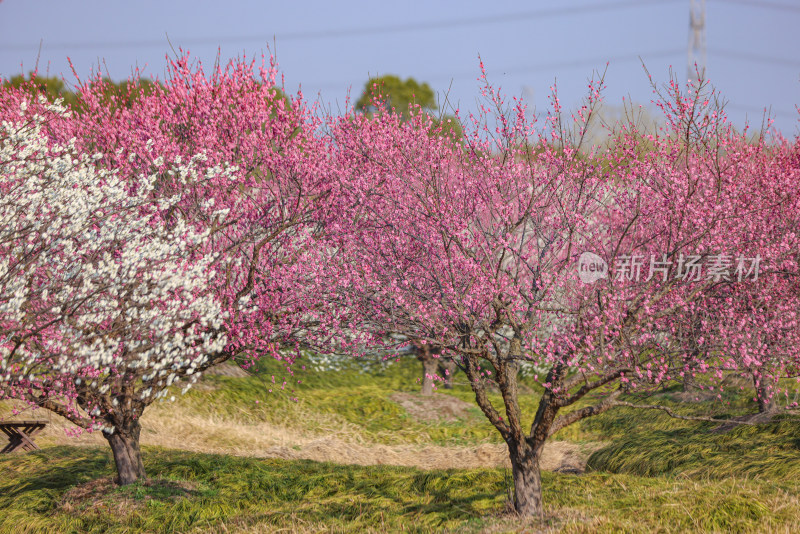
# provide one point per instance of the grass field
(219, 461)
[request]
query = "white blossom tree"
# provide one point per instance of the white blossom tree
(104, 301)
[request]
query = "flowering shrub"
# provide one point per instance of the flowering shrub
(102, 303)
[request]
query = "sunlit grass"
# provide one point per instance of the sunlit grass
(649, 472)
(215, 493)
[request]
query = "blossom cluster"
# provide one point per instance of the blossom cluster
(95, 285)
(472, 247)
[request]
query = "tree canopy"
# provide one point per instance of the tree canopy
(390, 92)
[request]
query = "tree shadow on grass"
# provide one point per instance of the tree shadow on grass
(53, 468)
(319, 491)
(234, 490)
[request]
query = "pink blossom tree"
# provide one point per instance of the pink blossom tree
(525, 246)
(757, 323)
(227, 173)
(276, 195)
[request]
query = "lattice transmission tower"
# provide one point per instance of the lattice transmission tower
(697, 40)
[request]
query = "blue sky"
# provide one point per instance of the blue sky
(332, 46)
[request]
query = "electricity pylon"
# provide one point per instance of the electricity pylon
(697, 40)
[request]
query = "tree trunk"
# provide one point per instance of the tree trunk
(449, 369)
(429, 367)
(689, 384)
(527, 483)
(127, 455)
(764, 396)
(765, 406)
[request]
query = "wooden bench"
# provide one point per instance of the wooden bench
(20, 434)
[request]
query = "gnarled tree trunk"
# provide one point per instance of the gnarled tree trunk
(527, 480)
(124, 441)
(525, 447)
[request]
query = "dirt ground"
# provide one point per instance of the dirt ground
(434, 407)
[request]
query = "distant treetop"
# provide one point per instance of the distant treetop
(391, 92)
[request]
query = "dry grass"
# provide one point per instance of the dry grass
(103, 493)
(174, 426)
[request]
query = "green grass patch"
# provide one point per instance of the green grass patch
(654, 473)
(215, 493)
(349, 396)
(655, 444)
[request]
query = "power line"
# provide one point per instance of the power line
(764, 110)
(596, 61)
(599, 61)
(360, 31)
(764, 5)
(398, 28)
(755, 58)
